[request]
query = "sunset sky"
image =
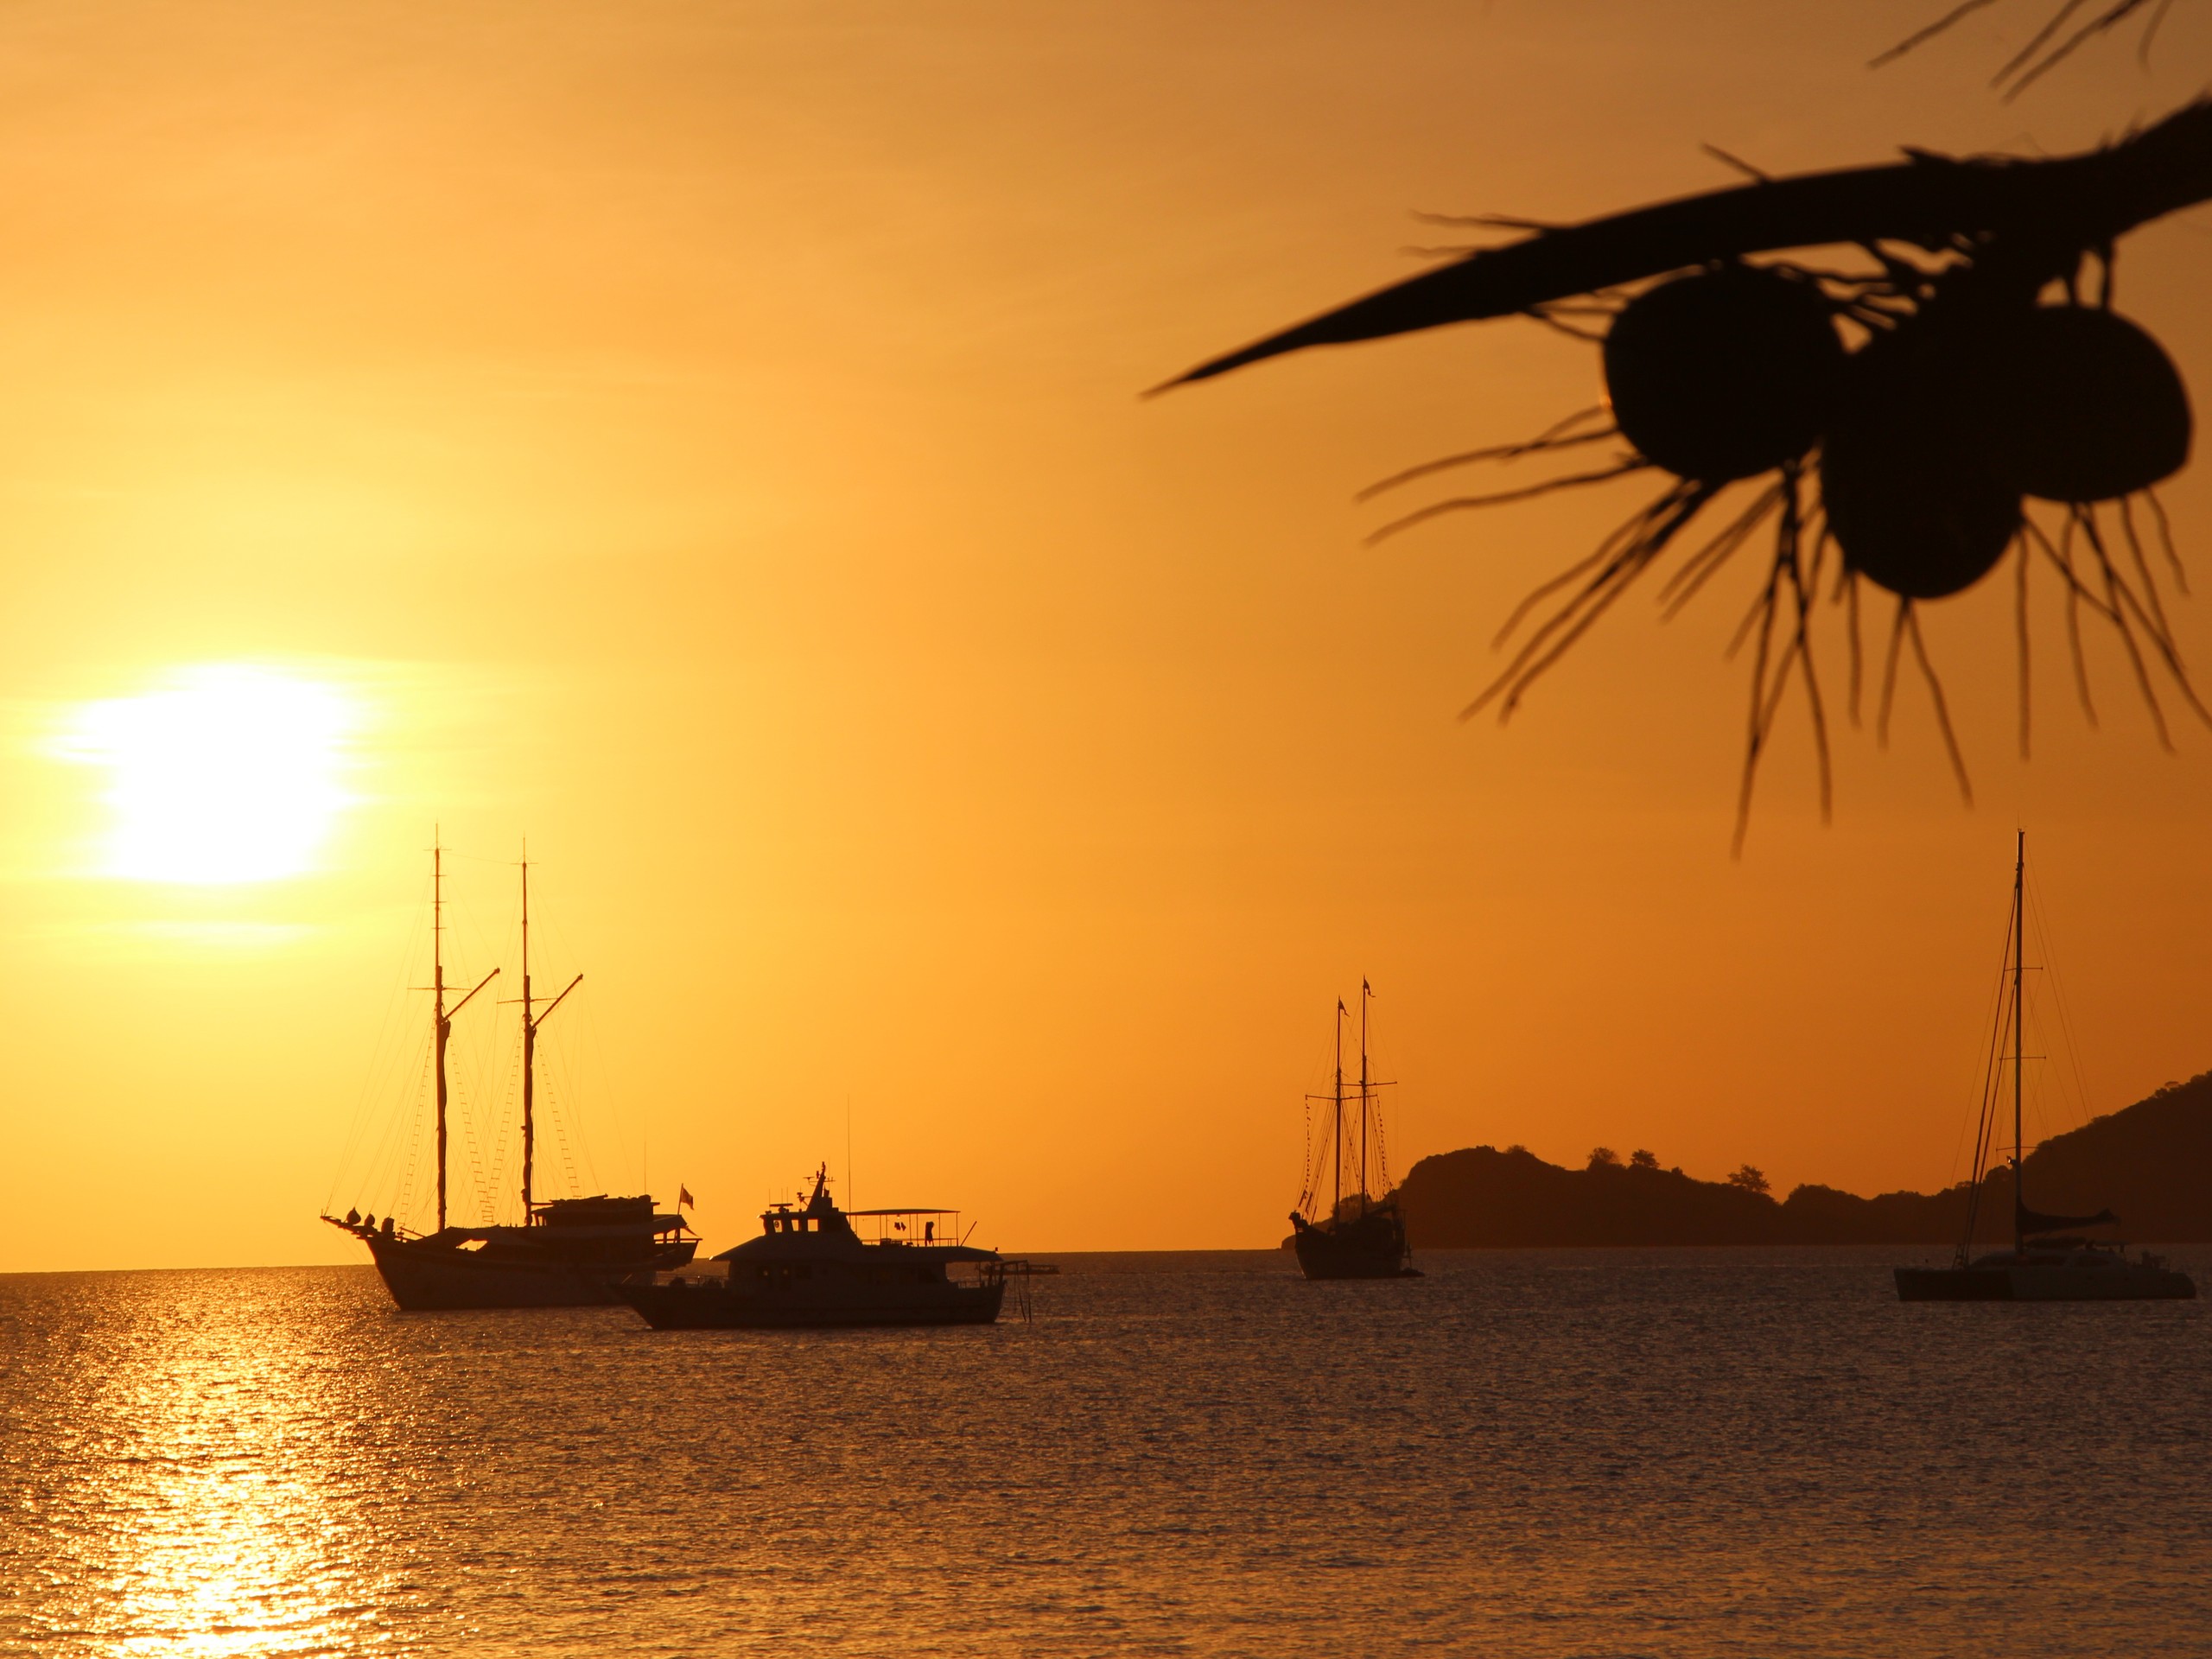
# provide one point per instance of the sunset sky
(705, 439)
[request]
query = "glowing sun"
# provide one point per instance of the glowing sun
(225, 773)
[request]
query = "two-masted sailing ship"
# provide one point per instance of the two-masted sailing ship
(1359, 1235)
(566, 1252)
(2051, 1259)
(811, 1267)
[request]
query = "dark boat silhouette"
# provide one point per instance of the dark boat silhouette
(568, 1252)
(1360, 1237)
(809, 1266)
(2050, 1261)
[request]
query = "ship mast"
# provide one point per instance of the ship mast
(440, 1026)
(441, 1016)
(1365, 993)
(1337, 1119)
(529, 1023)
(529, 1048)
(2019, 928)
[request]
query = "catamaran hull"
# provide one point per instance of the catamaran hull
(2114, 1283)
(707, 1307)
(446, 1281)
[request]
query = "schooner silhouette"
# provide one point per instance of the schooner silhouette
(1359, 1236)
(568, 1252)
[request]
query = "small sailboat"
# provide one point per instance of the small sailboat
(568, 1252)
(2051, 1260)
(811, 1267)
(1359, 1235)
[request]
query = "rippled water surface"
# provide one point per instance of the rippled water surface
(1548, 1452)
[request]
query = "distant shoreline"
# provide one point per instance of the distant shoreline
(2146, 1163)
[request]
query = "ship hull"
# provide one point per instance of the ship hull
(1371, 1247)
(428, 1278)
(710, 1307)
(2116, 1283)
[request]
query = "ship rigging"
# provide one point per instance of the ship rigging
(567, 1252)
(1361, 1236)
(2051, 1260)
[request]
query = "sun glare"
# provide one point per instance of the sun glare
(224, 774)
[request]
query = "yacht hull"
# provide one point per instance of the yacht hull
(710, 1307)
(425, 1277)
(2113, 1283)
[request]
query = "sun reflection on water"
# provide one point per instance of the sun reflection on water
(208, 1509)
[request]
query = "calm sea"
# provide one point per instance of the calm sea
(1686, 1452)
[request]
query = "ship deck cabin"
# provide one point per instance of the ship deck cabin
(631, 1214)
(893, 1227)
(622, 1225)
(818, 1244)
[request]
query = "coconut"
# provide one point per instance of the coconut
(1723, 374)
(1906, 478)
(2085, 406)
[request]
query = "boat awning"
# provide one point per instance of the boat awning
(2034, 1221)
(843, 1247)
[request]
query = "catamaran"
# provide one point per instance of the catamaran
(567, 1252)
(1359, 1236)
(2052, 1260)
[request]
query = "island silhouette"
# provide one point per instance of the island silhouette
(2145, 1162)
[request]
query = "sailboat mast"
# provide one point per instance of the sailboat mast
(1365, 992)
(529, 1051)
(1337, 1120)
(2020, 930)
(441, 1025)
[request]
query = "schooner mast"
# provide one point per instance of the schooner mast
(1336, 1118)
(1365, 1089)
(1338, 1126)
(440, 1016)
(530, 1022)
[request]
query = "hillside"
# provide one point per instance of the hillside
(2152, 1163)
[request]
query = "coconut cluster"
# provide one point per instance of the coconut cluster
(1931, 435)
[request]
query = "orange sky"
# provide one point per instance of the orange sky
(705, 441)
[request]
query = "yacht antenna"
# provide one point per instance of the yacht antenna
(2019, 926)
(441, 1016)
